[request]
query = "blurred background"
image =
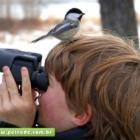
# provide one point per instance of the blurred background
(21, 21)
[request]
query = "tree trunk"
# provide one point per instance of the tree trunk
(118, 16)
(8, 9)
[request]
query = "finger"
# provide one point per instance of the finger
(26, 84)
(4, 95)
(10, 82)
(5, 91)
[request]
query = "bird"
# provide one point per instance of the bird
(68, 28)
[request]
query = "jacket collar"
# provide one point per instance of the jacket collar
(73, 134)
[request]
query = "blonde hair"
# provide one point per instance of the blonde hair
(104, 72)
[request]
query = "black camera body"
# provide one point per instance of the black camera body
(15, 59)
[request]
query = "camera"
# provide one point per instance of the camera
(15, 59)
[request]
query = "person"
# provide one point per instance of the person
(93, 92)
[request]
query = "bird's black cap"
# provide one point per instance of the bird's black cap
(74, 10)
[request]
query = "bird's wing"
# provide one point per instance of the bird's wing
(62, 27)
(58, 29)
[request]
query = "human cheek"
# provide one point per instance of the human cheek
(46, 107)
(45, 100)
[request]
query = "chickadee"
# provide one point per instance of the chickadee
(68, 28)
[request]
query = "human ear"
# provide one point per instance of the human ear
(84, 117)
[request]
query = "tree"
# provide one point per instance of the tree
(8, 8)
(31, 8)
(119, 16)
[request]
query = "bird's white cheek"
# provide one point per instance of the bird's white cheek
(73, 16)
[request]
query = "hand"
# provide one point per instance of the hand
(15, 108)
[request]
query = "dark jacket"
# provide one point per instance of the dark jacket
(72, 134)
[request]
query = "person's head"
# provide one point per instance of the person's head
(99, 80)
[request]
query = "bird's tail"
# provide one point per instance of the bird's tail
(39, 38)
